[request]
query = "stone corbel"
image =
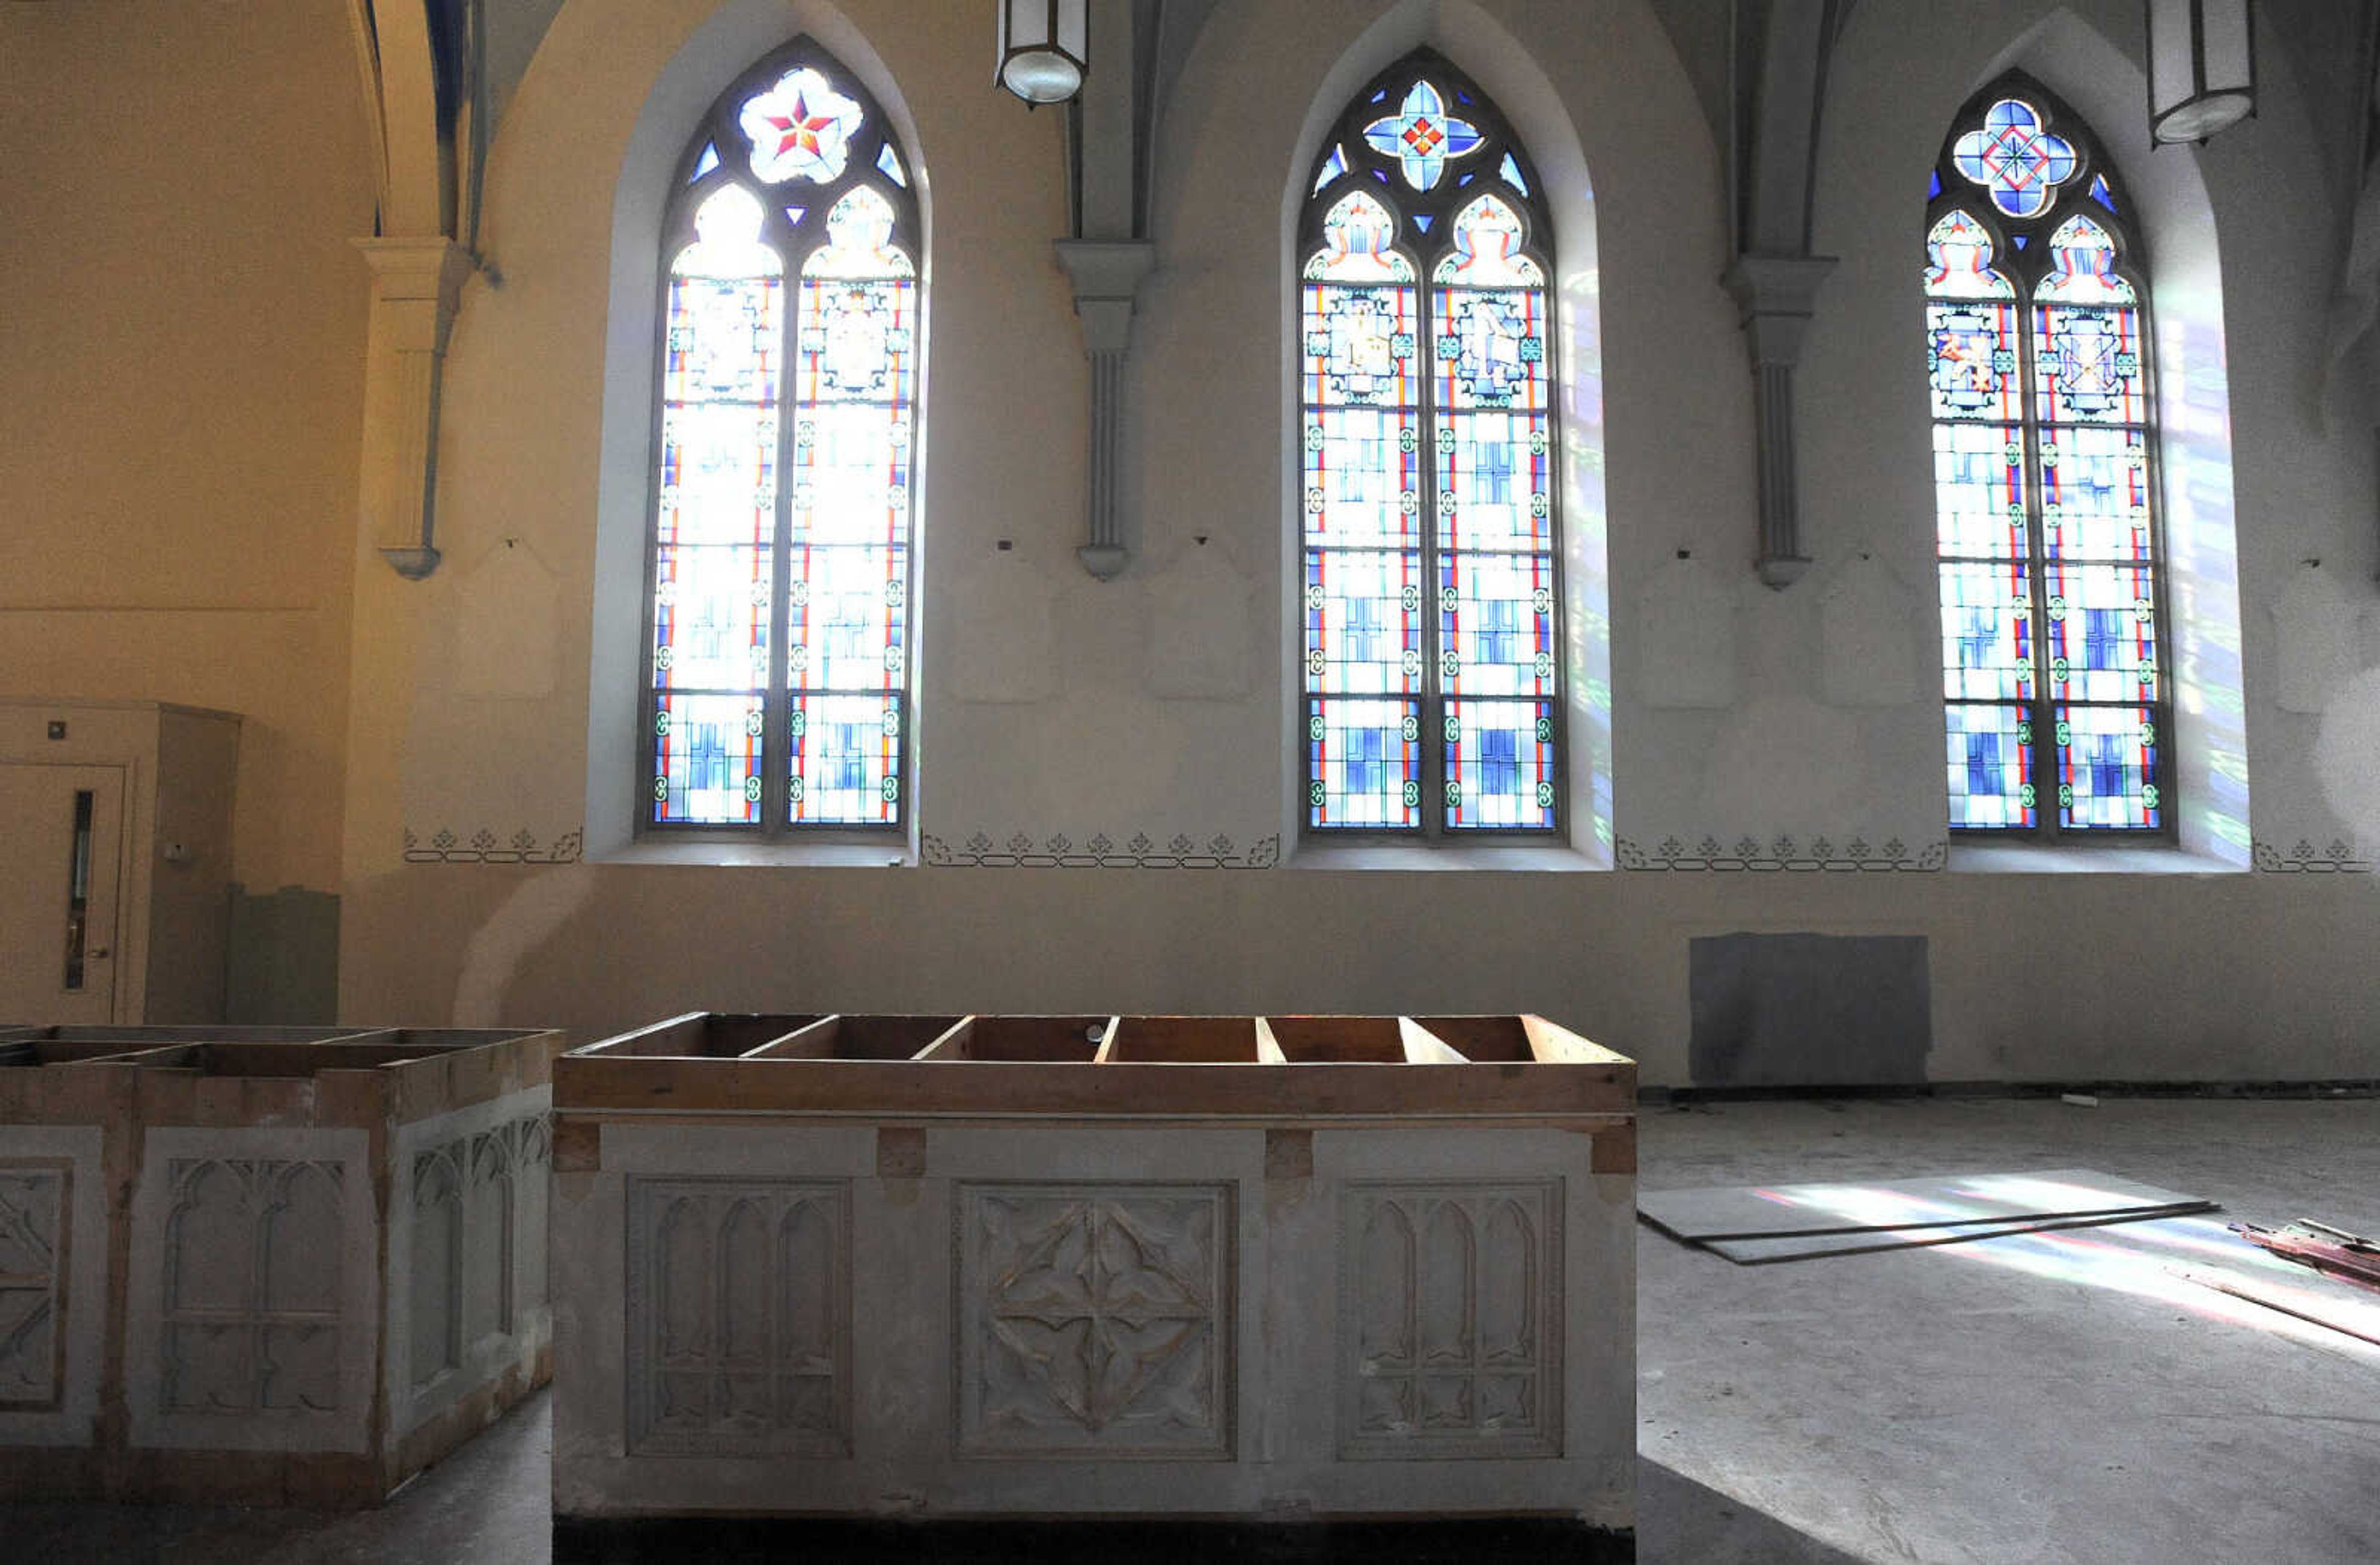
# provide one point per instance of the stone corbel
(1777, 295)
(1106, 274)
(415, 285)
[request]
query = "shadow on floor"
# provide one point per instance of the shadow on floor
(1679, 1522)
(488, 1505)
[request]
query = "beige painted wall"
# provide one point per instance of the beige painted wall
(181, 324)
(239, 500)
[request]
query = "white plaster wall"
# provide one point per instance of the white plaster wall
(2155, 975)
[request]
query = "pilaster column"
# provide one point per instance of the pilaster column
(1777, 295)
(416, 283)
(1106, 274)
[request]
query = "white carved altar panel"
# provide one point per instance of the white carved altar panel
(469, 1291)
(1451, 1320)
(1095, 1321)
(251, 1317)
(34, 1209)
(739, 1317)
(433, 1346)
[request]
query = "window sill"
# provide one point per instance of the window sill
(2027, 859)
(1519, 858)
(781, 855)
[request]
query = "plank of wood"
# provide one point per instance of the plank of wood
(2333, 1252)
(2295, 1302)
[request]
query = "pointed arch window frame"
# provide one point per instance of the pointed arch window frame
(718, 154)
(2023, 254)
(1350, 159)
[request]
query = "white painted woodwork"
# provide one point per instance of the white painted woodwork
(36, 867)
(52, 1283)
(164, 777)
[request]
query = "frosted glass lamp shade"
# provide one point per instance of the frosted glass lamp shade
(1044, 50)
(2201, 68)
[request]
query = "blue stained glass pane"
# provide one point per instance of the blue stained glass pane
(1986, 632)
(2100, 193)
(706, 163)
(1991, 769)
(889, 163)
(846, 760)
(2087, 364)
(794, 216)
(2108, 767)
(1496, 624)
(1332, 167)
(1421, 135)
(1495, 482)
(2094, 489)
(1971, 358)
(718, 473)
(2016, 158)
(1363, 765)
(1500, 766)
(723, 340)
(706, 754)
(1422, 221)
(1511, 169)
(1465, 180)
(1362, 470)
(1491, 349)
(1364, 621)
(2102, 632)
(846, 623)
(1359, 345)
(711, 616)
(850, 475)
(1934, 185)
(1979, 491)
(2021, 240)
(857, 340)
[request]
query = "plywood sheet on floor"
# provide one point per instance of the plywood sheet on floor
(1870, 1205)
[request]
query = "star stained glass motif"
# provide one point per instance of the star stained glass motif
(801, 128)
(2015, 157)
(1421, 136)
(782, 552)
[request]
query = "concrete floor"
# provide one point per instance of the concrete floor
(2036, 1400)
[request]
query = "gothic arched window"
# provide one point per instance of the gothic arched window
(2045, 479)
(1432, 652)
(777, 691)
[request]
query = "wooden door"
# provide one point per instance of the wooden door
(61, 864)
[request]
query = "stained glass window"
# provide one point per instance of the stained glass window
(778, 696)
(1432, 667)
(2044, 481)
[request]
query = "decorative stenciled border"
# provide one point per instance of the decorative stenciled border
(2302, 858)
(1785, 853)
(1060, 852)
(523, 847)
